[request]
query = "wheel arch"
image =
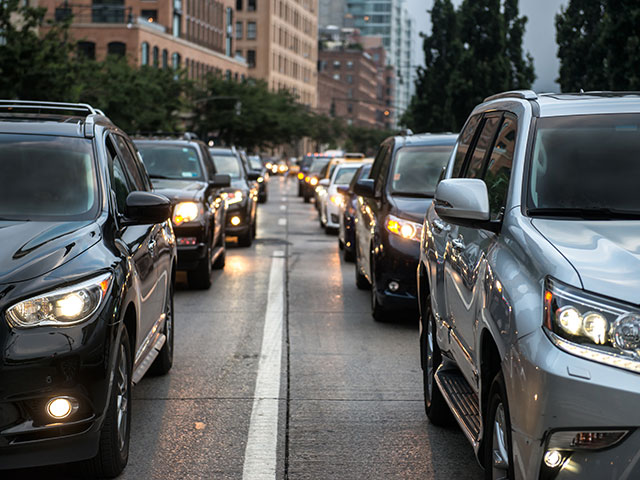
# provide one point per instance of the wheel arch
(490, 365)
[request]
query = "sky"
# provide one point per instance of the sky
(539, 38)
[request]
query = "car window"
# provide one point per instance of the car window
(119, 183)
(416, 169)
(498, 170)
(129, 161)
(483, 145)
(381, 179)
(345, 174)
(174, 162)
(377, 162)
(228, 164)
(464, 142)
(363, 172)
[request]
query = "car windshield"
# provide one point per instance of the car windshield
(255, 163)
(345, 174)
(416, 169)
(586, 164)
(227, 164)
(318, 165)
(173, 162)
(47, 178)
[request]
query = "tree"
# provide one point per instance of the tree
(522, 73)
(621, 36)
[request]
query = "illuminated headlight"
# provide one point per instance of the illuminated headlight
(307, 179)
(269, 165)
(260, 179)
(233, 197)
(300, 176)
(593, 327)
(62, 307)
(185, 212)
(404, 228)
(283, 168)
(313, 181)
(61, 407)
(337, 199)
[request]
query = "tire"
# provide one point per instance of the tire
(113, 450)
(222, 258)
(361, 281)
(435, 406)
(246, 239)
(348, 255)
(200, 278)
(254, 226)
(307, 199)
(378, 312)
(164, 361)
(498, 414)
(340, 244)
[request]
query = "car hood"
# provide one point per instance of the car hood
(32, 249)
(606, 254)
(176, 190)
(239, 184)
(410, 208)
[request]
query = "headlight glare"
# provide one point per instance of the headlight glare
(62, 307)
(403, 228)
(185, 212)
(234, 197)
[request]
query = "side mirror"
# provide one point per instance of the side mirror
(325, 182)
(146, 208)
(253, 175)
(364, 187)
(463, 201)
(343, 189)
(220, 181)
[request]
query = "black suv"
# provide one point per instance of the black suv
(241, 197)
(388, 224)
(87, 270)
(182, 170)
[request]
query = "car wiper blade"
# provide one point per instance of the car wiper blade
(587, 213)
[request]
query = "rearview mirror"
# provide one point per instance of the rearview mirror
(324, 182)
(463, 201)
(146, 208)
(343, 189)
(220, 181)
(364, 187)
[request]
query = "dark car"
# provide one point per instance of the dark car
(182, 170)
(256, 165)
(241, 197)
(305, 164)
(87, 269)
(389, 218)
(346, 231)
(312, 177)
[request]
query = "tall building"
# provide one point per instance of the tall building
(279, 40)
(193, 34)
(331, 12)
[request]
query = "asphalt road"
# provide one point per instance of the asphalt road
(350, 390)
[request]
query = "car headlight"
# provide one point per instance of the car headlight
(185, 212)
(260, 179)
(62, 307)
(337, 199)
(313, 181)
(591, 326)
(233, 197)
(403, 228)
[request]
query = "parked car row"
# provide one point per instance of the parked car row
(94, 228)
(516, 242)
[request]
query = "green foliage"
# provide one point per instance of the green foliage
(364, 140)
(471, 53)
(599, 45)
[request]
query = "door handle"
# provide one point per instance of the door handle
(151, 246)
(458, 243)
(439, 226)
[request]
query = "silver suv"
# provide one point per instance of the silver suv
(529, 286)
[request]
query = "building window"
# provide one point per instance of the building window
(103, 11)
(229, 26)
(156, 56)
(350, 108)
(336, 64)
(145, 53)
(349, 64)
(239, 5)
(165, 58)
(251, 5)
(87, 50)
(336, 76)
(177, 23)
(251, 58)
(175, 61)
(251, 30)
(349, 78)
(117, 48)
(150, 15)
(239, 30)
(350, 93)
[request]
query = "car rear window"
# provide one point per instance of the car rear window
(47, 178)
(227, 164)
(174, 162)
(416, 170)
(345, 174)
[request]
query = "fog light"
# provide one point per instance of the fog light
(594, 440)
(553, 459)
(235, 221)
(61, 407)
(394, 286)
(187, 241)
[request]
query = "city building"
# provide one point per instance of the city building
(196, 35)
(279, 40)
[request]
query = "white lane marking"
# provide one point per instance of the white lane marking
(283, 207)
(260, 454)
(282, 222)
(284, 199)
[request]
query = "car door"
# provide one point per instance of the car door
(137, 242)
(215, 204)
(465, 266)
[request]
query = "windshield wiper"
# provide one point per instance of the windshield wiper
(595, 213)
(413, 194)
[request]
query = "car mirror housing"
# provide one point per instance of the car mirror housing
(464, 201)
(220, 181)
(343, 189)
(146, 208)
(364, 187)
(253, 175)
(325, 182)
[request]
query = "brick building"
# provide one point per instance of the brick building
(193, 34)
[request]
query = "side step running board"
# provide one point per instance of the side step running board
(148, 360)
(462, 401)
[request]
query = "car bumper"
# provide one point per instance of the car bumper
(347, 233)
(245, 221)
(333, 218)
(192, 247)
(558, 391)
(397, 262)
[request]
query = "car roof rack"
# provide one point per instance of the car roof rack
(523, 94)
(48, 107)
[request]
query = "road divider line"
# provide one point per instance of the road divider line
(260, 456)
(282, 222)
(283, 207)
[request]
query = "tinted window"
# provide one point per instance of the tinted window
(255, 163)
(171, 161)
(464, 142)
(361, 173)
(120, 185)
(344, 175)
(484, 143)
(227, 164)
(381, 178)
(377, 162)
(416, 169)
(586, 162)
(47, 178)
(499, 167)
(318, 165)
(130, 162)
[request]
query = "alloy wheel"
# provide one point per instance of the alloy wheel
(500, 452)
(122, 398)
(429, 355)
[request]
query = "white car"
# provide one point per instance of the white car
(331, 200)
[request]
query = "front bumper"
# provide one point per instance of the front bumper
(333, 214)
(558, 391)
(397, 260)
(189, 256)
(244, 226)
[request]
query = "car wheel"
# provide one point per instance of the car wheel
(222, 258)
(378, 312)
(435, 405)
(340, 244)
(164, 361)
(200, 278)
(348, 255)
(307, 199)
(361, 281)
(498, 452)
(254, 226)
(113, 450)
(246, 239)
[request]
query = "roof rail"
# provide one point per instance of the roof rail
(174, 135)
(524, 94)
(49, 107)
